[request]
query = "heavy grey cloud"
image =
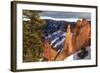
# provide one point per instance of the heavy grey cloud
(56, 14)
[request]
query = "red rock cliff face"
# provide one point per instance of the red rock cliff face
(81, 38)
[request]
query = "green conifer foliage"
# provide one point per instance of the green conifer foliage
(32, 36)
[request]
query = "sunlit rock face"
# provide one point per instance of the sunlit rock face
(55, 34)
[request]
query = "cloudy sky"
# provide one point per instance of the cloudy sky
(65, 15)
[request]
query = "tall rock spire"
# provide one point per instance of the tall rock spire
(68, 40)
